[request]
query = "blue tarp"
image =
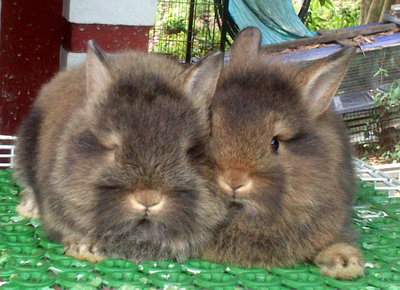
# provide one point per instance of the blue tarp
(276, 19)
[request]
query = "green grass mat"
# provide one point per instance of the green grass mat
(30, 261)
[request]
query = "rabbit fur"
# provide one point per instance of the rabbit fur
(112, 157)
(282, 163)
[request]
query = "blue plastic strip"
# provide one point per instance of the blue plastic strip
(277, 20)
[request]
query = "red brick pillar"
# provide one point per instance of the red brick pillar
(39, 35)
(114, 25)
(31, 34)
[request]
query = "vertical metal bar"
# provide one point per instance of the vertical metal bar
(303, 10)
(189, 41)
(225, 5)
(12, 157)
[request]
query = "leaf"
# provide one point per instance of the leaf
(315, 5)
(396, 93)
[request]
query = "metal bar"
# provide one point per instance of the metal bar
(225, 6)
(373, 179)
(391, 184)
(303, 10)
(6, 165)
(9, 147)
(189, 40)
(6, 137)
(12, 157)
(378, 172)
(384, 188)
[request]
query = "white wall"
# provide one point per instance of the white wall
(114, 12)
(70, 59)
(110, 12)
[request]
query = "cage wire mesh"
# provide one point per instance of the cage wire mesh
(189, 29)
(362, 74)
(370, 72)
(186, 29)
(373, 125)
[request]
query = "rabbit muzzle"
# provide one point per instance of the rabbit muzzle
(235, 182)
(148, 202)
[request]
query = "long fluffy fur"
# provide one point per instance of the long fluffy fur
(301, 199)
(84, 155)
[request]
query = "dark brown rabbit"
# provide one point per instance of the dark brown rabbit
(112, 155)
(283, 163)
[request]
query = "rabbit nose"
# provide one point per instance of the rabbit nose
(235, 182)
(148, 198)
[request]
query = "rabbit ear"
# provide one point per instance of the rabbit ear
(246, 46)
(201, 80)
(320, 81)
(98, 76)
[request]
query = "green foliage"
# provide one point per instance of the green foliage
(387, 103)
(169, 35)
(329, 15)
(323, 2)
(389, 99)
(381, 72)
(175, 26)
(394, 156)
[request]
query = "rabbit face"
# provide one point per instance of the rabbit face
(252, 160)
(272, 130)
(142, 175)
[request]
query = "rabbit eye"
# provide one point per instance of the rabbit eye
(274, 144)
(108, 188)
(87, 143)
(196, 151)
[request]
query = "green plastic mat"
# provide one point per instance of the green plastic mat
(30, 261)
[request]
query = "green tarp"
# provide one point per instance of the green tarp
(276, 19)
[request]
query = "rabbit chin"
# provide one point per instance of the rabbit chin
(146, 239)
(136, 232)
(143, 227)
(262, 203)
(245, 206)
(146, 228)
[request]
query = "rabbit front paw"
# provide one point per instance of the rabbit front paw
(84, 250)
(28, 206)
(341, 261)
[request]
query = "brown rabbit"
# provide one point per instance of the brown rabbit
(283, 163)
(112, 154)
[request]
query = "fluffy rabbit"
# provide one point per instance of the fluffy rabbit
(283, 163)
(112, 155)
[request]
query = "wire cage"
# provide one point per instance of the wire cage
(372, 71)
(372, 126)
(7, 151)
(188, 29)
(367, 120)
